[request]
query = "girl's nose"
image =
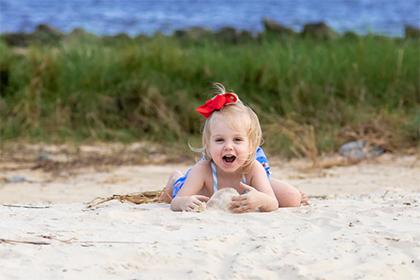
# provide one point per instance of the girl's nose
(228, 145)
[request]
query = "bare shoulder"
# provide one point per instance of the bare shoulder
(255, 168)
(202, 169)
(197, 179)
(255, 172)
(202, 166)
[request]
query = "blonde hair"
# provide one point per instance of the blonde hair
(236, 115)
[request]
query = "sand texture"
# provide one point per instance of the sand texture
(363, 223)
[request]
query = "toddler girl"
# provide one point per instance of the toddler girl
(232, 158)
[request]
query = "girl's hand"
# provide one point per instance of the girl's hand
(194, 203)
(250, 201)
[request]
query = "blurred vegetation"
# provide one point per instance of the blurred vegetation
(85, 88)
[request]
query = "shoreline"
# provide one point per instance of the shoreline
(47, 34)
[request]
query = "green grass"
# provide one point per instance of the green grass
(147, 89)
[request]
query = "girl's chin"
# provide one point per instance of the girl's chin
(229, 167)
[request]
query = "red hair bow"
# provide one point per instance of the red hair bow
(217, 103)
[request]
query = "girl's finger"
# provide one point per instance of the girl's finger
(246, 187)
(239, 197)
(236, 198)
(240, 207)
(239, 210)
(234, 205)
(202, 197)
(247, 209)
(197, 203)
(189, 208)
(236, 210)
(238, 203)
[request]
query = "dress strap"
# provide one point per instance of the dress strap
(213, 172)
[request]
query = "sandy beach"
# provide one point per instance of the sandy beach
(363, 223)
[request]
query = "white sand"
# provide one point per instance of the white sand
(367, 228)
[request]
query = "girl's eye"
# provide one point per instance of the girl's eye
(218, 140)
(238, 139)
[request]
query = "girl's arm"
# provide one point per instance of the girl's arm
(260, 195)
(188, 198)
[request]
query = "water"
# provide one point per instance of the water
(148, 16)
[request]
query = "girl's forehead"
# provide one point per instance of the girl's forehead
(223, 125)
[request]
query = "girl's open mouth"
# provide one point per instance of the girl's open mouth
(229, 159)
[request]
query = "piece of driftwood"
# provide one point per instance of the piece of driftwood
(11, 241)
(323, 197)
(70, 241)
(25, 206)
(137, 198)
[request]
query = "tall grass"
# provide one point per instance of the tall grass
(147, 89)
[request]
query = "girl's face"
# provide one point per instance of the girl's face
(228, 147)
